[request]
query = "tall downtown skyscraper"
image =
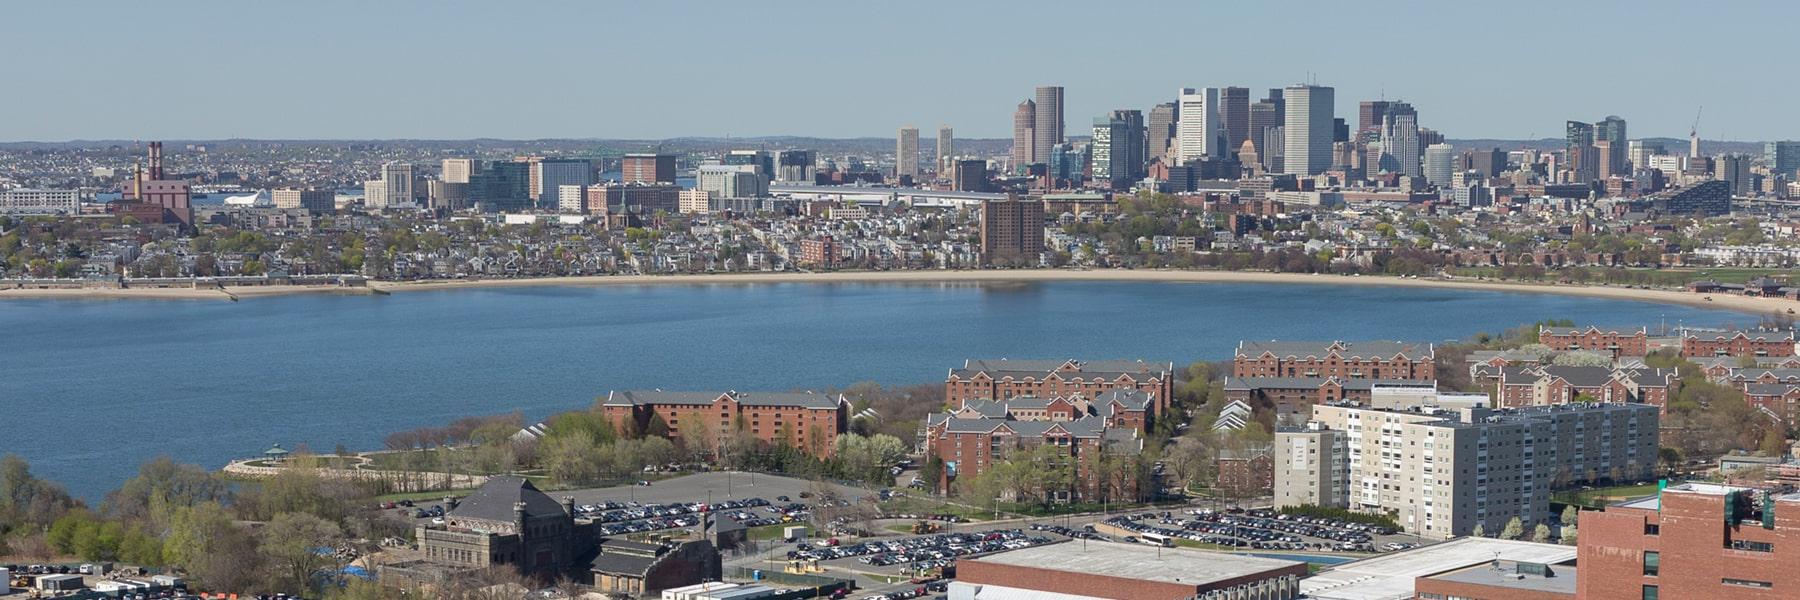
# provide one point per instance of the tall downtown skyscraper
(1118, 147)
(1024, 134)
(1266, 115)
(1612, 130)
(1400, 140)
(1199, 133)
(1160, 130)
(1369, 116)
(946, 149)
(1049, 122)
(1440, 164)
(1307, 129)
(1234, 111)
(906, 153)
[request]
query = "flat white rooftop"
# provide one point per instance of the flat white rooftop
(1138, 561)
(1390, 577)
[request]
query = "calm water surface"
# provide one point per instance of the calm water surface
(89, 389)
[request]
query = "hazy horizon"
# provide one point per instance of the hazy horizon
(338, 70)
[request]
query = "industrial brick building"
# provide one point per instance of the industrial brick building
(808, 421)
(1693, 540)
(1343, 360)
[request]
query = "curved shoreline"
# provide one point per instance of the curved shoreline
(1745, 304)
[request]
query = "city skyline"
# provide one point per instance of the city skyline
(200, 91)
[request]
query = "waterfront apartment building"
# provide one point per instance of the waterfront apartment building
(821, 252)
(312, 200)
(1612, 342)
(40, 202)
(1693, 540)
(1738, 343)
(1012, 231)
(647, 168)
(1005, 379)
(808, 421)
(1292, 398)
(398, 181)
(1443, 472)
(969, 445)
(1344, 360)
(1539, 385)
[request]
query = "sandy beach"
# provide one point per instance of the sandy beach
(1723, 301)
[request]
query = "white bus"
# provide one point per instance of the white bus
(1156, 539)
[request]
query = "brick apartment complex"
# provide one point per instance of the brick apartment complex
(1441, 473)
(1343, 360)
(1004, 379)
(1012, 230)
(1292, 398)
(1738, 343)
(1775, 390)
(808, 421)
(1612, 342)
(1693, 540)
(1543, 385)
(967, 445)
(820, 252)
(1125, 572)
(1245, 473)
(1115, 408)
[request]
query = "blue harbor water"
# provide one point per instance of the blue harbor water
(91, 388)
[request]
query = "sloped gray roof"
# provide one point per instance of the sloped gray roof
(1292, 383)
(1581, 376)
(1039, 368)
(1767, 389)
(1369, 349)
(658, 397)
(1758, 373)
(1130, 399)
(494, 500)
(1761, 336)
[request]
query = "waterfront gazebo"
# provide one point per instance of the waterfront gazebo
(275, 453)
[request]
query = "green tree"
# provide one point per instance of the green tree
(291, 543)
(1541, 534)
(1480, 531)
(1513, 530)
(1570, 515)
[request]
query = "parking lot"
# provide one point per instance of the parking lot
(1264, 530)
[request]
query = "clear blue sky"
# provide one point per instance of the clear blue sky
(656, 69)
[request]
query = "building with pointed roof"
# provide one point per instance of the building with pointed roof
(980, 433)
(808, 421)
(1005, 379)
(1381, 359)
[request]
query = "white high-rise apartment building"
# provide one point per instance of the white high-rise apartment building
(1200, 131)
(397, 186)
(1441, 472)
(458, 170)
(571, 199)
(1307, 129)
(375, 196)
